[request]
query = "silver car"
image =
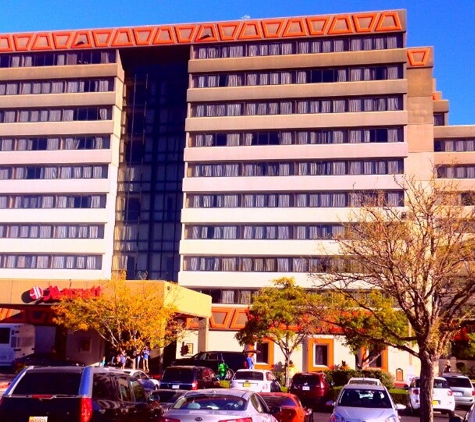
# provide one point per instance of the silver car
(358, 403)
(221, 404)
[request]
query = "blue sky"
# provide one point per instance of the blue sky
(447, 26)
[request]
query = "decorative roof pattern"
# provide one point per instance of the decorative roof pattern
(244, 30)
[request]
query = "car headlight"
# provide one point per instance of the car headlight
(335, 417)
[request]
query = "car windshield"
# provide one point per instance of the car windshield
(364, 398)
(215, 402)
(459, 382)
(49, 383)
(438, 383)
(178, 374)
(309, 379)
(249, 375)
(282, 401)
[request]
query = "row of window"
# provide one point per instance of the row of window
(307, 46)
(456, 172)
(58, 58)
(455, 145)
(298, 76)
(52, 231)
(271, 264)
(55, 115)
(53, 172)
(52, 201)
(56, 86)
(266, 232)
(59, 262)
(55, 143)
(300, 137)
(298, 106)
(306, 168)
(297, 200)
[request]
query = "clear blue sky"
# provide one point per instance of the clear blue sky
(445, 25)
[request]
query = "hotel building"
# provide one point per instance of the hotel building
(218, 155)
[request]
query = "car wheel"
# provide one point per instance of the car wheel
(450, 413)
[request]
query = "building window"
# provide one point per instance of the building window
(320, 354)
(262, 354)
(299, 137)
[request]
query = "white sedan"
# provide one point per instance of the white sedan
(214, 405)
(260, 380)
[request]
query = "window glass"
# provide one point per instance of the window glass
(49, 383)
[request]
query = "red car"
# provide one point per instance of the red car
(292, 409)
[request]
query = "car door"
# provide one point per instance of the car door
(106, 396)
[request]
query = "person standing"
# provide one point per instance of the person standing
(250, 361)
(145, 356)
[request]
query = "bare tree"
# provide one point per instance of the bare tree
(421, 257)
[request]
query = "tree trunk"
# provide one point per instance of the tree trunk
(426, 387)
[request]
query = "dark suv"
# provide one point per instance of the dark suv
(76, 394)
(189, 378)
(234, 360)
(312, 388)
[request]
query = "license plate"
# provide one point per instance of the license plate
(435, 402)
(306, 388)
(38, 419)
(457, 393)
(246, 384)
(176, 387)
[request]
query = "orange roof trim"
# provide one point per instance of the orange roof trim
(102, 38)
(6, 43)
(272, 28)
(389, 21)
(22, 41)
(207, 32)
(365, 22)
(62, 40)
(228, 31)
(341, 25)
(143, 36)
(42, 42)
(295, 28)
(165, 35)
(418, 57)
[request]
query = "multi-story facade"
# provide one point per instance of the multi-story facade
(217, 155)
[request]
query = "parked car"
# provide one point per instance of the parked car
(166, 396)
(149, 384)
(42, 359)
(290, 405)
(227, 404)
(312, 388)
(256, 380)
(442, 401)
(361, 402)
(75, 394)
(364, 380)
(462, 388)
(469, 416)
(189, 378)
(212, 359)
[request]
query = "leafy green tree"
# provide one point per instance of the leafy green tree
(278, 313)
(127, 316)
(420, 257)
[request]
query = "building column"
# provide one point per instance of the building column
(203, 333)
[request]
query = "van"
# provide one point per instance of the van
(76, 394)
